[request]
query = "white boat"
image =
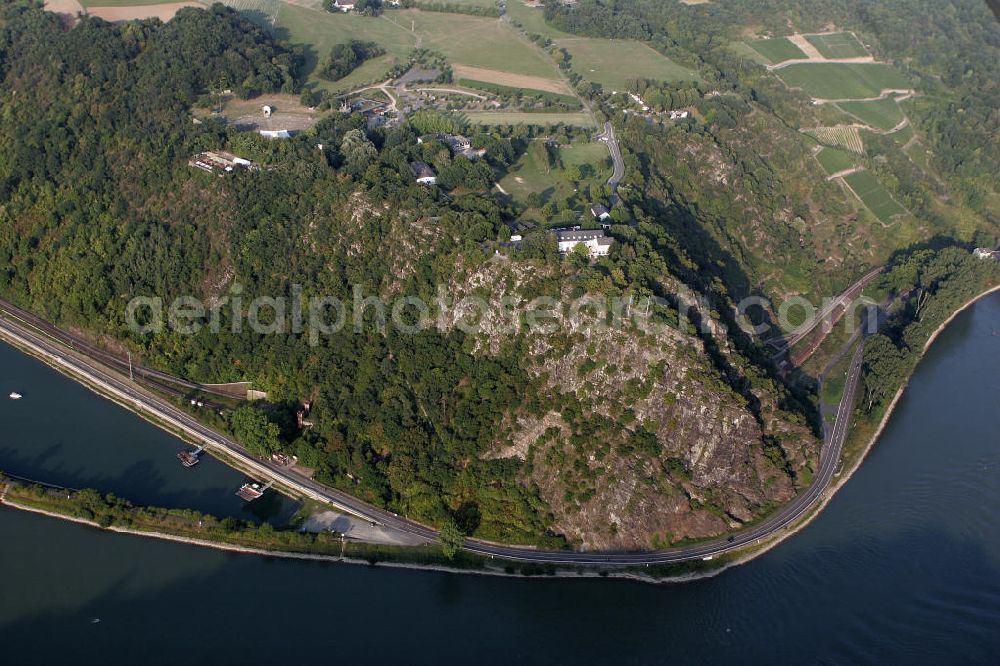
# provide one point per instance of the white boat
(15, 396)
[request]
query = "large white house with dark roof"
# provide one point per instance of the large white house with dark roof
(596, 242)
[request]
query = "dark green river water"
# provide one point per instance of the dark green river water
(903, 565)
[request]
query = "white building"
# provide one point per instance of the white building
(423, 173)
(344, 5)
(597, 244)
(983, 253)
(275, 134)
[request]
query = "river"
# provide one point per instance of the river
(903, 565)
(63, 433)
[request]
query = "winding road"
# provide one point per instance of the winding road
(608, 137)
(127, 393)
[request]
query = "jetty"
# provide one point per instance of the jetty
(190, 458)
(251, 490)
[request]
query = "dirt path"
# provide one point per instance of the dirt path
(453, 90)
(511, 80)
(844, 172)
(799, 61)
(69, 9)
(164, 12)
(905, 92)
(806, 47)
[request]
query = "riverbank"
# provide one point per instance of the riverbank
(62, 505)
(687, 570)
(857, 457)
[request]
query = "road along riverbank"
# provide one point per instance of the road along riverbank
(853, 465)
(713, 556)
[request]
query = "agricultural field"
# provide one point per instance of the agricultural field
(612, 63)
(517, 118)
(777, 50)
(531, 174)
(510, 80)
(834, 160)
(843, 80)
(837, 45)
(878, 200)
(880, 113)
(843, 137)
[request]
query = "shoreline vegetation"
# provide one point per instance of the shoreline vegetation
(88, 507)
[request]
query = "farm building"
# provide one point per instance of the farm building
(459, 144)
(344, 5)
(600, 212)
(219, 162)
(423, 173)
(597, 244)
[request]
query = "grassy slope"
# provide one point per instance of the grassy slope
(874, 196)
(533, 20)
(527, 175)
(468, 40)
(833, 160)
(843, 80)
(880, 113)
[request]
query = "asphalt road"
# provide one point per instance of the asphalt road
(127, 392)
(608, 137)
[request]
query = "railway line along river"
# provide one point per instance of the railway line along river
(903, 564)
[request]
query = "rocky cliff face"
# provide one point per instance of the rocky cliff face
(645, 444)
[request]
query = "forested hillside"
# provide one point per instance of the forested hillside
(510, 436)
(586, 435)
(743, 177)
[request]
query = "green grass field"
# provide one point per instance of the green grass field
(527, 175)
(533, 20)
(834, 159)
(843, 80)
(478, 42)
(903, 136)
(881, 113)
(837, 45)
(517, 118)
(777, 50)
(614, 63)
(468, 40)
(875, 197)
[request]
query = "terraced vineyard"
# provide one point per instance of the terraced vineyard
(844, 137)
(837, 45)
(878, 200)
(854, 81)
